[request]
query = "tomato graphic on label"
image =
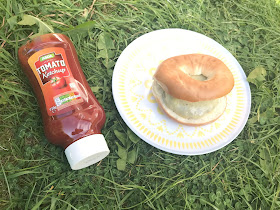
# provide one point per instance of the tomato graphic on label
(58, 82)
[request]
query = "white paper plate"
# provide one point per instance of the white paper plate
(132, 79)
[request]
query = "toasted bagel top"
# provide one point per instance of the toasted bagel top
(174, 75)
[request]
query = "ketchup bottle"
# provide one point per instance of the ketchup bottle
(72, 116)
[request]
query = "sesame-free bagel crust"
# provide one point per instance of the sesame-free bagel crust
(174, 76)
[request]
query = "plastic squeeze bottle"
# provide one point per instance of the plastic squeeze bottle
(72, 116)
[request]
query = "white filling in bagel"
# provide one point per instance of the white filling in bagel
(190, 113)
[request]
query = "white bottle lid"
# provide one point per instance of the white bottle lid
(87, 151)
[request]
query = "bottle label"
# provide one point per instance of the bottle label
(55, 78)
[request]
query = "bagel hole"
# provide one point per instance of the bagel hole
(199, 77)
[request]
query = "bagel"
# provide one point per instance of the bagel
(192, 88)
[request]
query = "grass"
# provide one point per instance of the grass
(243, 175)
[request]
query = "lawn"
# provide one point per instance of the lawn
(35, 174)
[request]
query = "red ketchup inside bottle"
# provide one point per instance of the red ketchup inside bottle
(72, 116)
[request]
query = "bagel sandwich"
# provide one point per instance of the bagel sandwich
(192, 88)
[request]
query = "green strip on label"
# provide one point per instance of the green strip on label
(48, 56)
(64, 96)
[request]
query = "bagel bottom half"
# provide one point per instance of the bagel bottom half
(189, 113)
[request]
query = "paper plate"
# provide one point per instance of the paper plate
(132, 80)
